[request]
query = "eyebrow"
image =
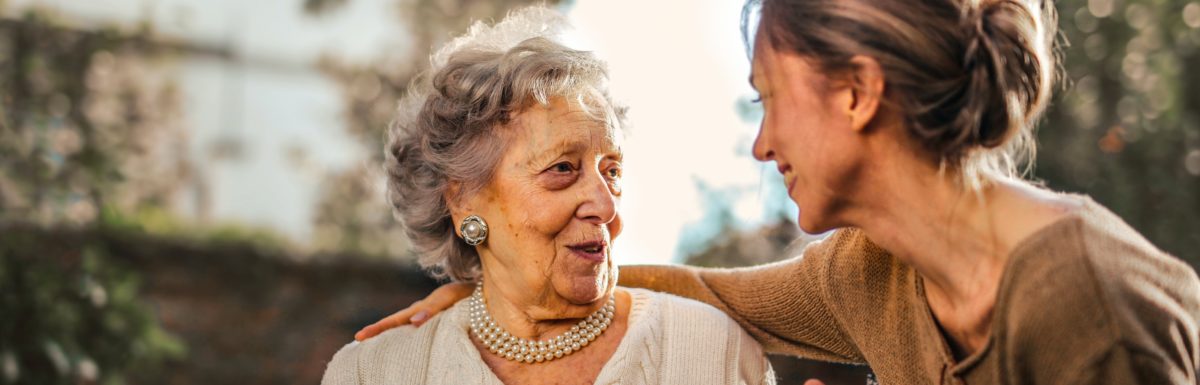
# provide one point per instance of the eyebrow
(620, 156)
(556, 150)
(752, 80)
(569, 146)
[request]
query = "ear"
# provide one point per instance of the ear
(866, 91)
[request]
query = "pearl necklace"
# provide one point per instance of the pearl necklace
(512, 348)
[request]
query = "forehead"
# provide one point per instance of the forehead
(564, 124)
(760, 58)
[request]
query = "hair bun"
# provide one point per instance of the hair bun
(1005, 82)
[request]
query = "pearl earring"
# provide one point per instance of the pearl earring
(474, 230)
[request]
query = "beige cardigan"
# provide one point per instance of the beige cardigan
(670, 340)
(1086, 300)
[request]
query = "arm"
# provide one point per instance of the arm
(782, 305)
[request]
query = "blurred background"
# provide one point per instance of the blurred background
(190, 191)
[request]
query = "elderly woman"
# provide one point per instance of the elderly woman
(505, 167)
(900, 124)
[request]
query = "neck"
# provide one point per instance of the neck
(947, 233)
(956, 238)
(529, 316)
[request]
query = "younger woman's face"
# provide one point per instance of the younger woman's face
(806, 130)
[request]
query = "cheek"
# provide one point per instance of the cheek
(547, 214)
(525, 228)
(796, 134)
(534, 223)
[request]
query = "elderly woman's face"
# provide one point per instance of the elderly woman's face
(552, 204)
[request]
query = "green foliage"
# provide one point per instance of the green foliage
(1125, 129)
(160, 222)
(84, 127)
(85, 123)
(74, 316)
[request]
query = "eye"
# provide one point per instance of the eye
(757, 99)
(614, 172)
(562, 167)
(559, 176)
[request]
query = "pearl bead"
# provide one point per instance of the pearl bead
(501, 343)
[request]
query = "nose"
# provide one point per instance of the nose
(599, 201)
(762, 150)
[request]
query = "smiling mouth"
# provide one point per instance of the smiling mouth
(788, 182)
(592, 251)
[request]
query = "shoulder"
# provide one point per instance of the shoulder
(1089, 284)
(684, 314)
(1094, 260)
(400, 354)
(343, 368)
(376, 360)
(674, 306)
(700, 340)
(854, 264)
(1127, 267)
(682, 317)
(862, 281)
(405, 344)
(848, 244)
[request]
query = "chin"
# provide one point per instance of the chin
(812, 222)
(586, 289)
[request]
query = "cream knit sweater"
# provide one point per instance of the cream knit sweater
(670, 340)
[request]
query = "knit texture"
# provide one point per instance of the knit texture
(669, 340)
(1086, 300)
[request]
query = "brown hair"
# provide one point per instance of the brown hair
(448, 126)
(970, 77)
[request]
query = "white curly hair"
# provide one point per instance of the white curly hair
(446, 129)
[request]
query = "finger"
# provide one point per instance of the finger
(447, 295)
(399, 318)
(814, 382)
(419, 318)
(373, 329)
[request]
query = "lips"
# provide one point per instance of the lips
(594, 251)
(783, 170)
